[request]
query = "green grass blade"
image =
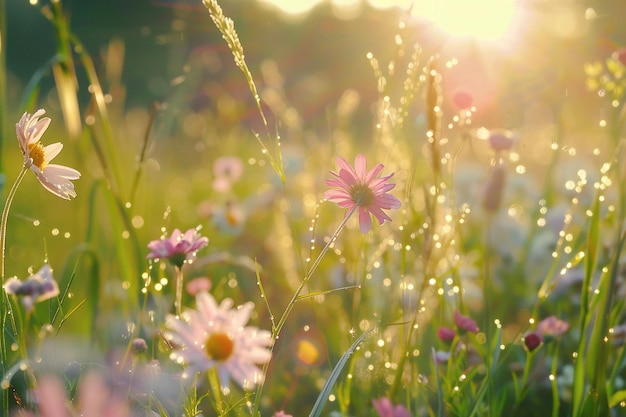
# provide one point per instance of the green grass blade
(328, 386)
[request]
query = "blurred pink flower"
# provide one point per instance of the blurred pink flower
(620, 55)
(178, 248)
(197, 285)
(385, 409)
(465, 323)
(552, 326)
(38, 287)
(215, 336)
(357, 188)
(54, 178)
(95, 399)
(446, 334)
(281, 414)
(501, 140)
(227, 170)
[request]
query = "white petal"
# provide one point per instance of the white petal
(52, 150)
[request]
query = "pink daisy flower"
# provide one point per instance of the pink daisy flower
(357, 188)
(178, 248)
(54, 178)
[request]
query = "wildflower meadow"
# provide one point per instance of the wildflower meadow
(428, 222)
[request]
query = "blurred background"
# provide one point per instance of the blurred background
(514, 57)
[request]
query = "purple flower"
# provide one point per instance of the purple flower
(464, 323)
(552, 326)
(38, 287)
(178, 248)
(385, 409)
(446, 334)
(357, 188)
(501, 140)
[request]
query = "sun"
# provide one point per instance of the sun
(478, 19)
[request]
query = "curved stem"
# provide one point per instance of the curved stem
(283, 318)
(5, 305)
(5, 217)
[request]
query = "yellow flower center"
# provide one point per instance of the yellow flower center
(219, 346)
(362, 195)
(35, 151)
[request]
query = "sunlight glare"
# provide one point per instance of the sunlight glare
(293, 7)
(481, 19)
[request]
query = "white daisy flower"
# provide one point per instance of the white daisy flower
(215, 336)
(54, 178)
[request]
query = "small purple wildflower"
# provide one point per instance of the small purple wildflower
(178, 248)
(464, 323)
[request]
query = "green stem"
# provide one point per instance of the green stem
(283, 318)
(178, 303)
(214, 381)
(5, 305)
(5, 217)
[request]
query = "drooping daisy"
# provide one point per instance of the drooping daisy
(54, 178)
(216, 336)
(357, 188)
(178, 248)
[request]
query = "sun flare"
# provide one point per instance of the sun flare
(480, 19)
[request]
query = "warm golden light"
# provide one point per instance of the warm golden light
(480, 19)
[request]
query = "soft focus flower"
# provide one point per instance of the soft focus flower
(620, 55)
(501, 140)
(385, 409)
(38, 287)
(215, 336)
(552, 326)
(95, 399)
(281, 414)
(197, 285)
(54, 178)
(364, 190)
(446, 334)
(465, 323)
(227, 170)
(532, 341)
(230, 218)
(139, 345)
(462, 100)
(442, 356)
(178, 248)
